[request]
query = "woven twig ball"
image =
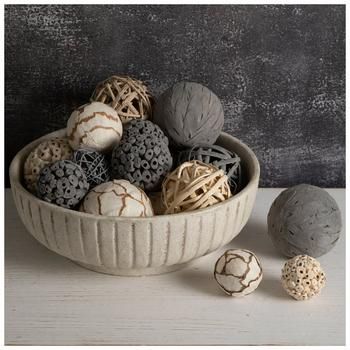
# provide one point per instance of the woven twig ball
(194, 185)
(129, 97)
(94, 164)
(220, 157)
(190, 114)
(95, 126)
(45, 153)
(63, 183)
(143, 156)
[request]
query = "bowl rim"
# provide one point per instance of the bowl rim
(15, 181)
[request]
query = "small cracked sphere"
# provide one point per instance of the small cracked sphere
(94, 164)
(304, 219)
(63, 183)
(45, 153)
(143, 156)
(117, 198)
(303, 277)
(238, 272)
(189, 114)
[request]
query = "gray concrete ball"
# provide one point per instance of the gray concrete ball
(189, 114)
(304, 219)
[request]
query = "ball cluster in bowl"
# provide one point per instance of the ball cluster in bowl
(123, 149)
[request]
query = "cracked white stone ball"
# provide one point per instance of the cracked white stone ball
(303, 277)
(238, 272)
(117, 198)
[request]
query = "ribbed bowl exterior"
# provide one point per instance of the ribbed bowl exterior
(134, 246)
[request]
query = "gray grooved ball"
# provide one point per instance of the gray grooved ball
(189, 114)
(304, 219)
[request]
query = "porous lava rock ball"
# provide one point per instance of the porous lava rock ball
(96, 126)
(45, 153)
(218, 156)
(129, 97)
(63, 183)
(238, 272)
(303, 277)
(304, 219)
(143, 156)
(117, 198)
(190, 114)
(94, 164)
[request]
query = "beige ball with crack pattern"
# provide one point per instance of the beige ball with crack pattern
(94, 126)
(117, 198)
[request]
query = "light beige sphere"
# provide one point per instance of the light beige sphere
(47, 152)
(303, 277)
(117, 198)
(95, 126)
(238, 272)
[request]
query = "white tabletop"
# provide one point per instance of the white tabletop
(52, 301)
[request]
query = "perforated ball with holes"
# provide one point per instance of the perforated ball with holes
(220, 157)
(303, 277)
(117, 198)
(63, 183)
(45, 153)
(190, 114)
(129, 97)
(143, 156)
(304, 219)
(238, 272)
(94, 164)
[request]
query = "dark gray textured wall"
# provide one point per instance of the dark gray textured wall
(279, 71)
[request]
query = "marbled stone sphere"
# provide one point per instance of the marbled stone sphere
(189, 114)
(304, 219)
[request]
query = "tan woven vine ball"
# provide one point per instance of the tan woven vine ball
(194, 185)
(129, 97)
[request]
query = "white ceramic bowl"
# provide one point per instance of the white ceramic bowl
(135, 246)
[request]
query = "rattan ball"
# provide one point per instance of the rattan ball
(218, 156)
(63, 183)
(47, 152)
(94, 164)
(190, 114)
(143, 156)
(194, 185)
(129, 97)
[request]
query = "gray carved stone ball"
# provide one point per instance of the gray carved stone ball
(189, 114)
(143, 156)
(304, 219)
(63, 183)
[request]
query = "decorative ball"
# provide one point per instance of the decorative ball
(63, 183)
(303, 277)
(117, 198)
(304, 219)
(143, 156)
(96, 126)
(47, 152)
(238, 272)
(94, 164)
(220, 157)
(190, 114)
(129, 97)
(194, 185)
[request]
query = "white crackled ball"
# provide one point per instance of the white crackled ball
(238, 272)
(117, 198)
(47, 152)
(94, 126)
(303, 277)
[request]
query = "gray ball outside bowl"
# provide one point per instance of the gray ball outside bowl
(135, 246)
(304, 219)
(189, 114)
